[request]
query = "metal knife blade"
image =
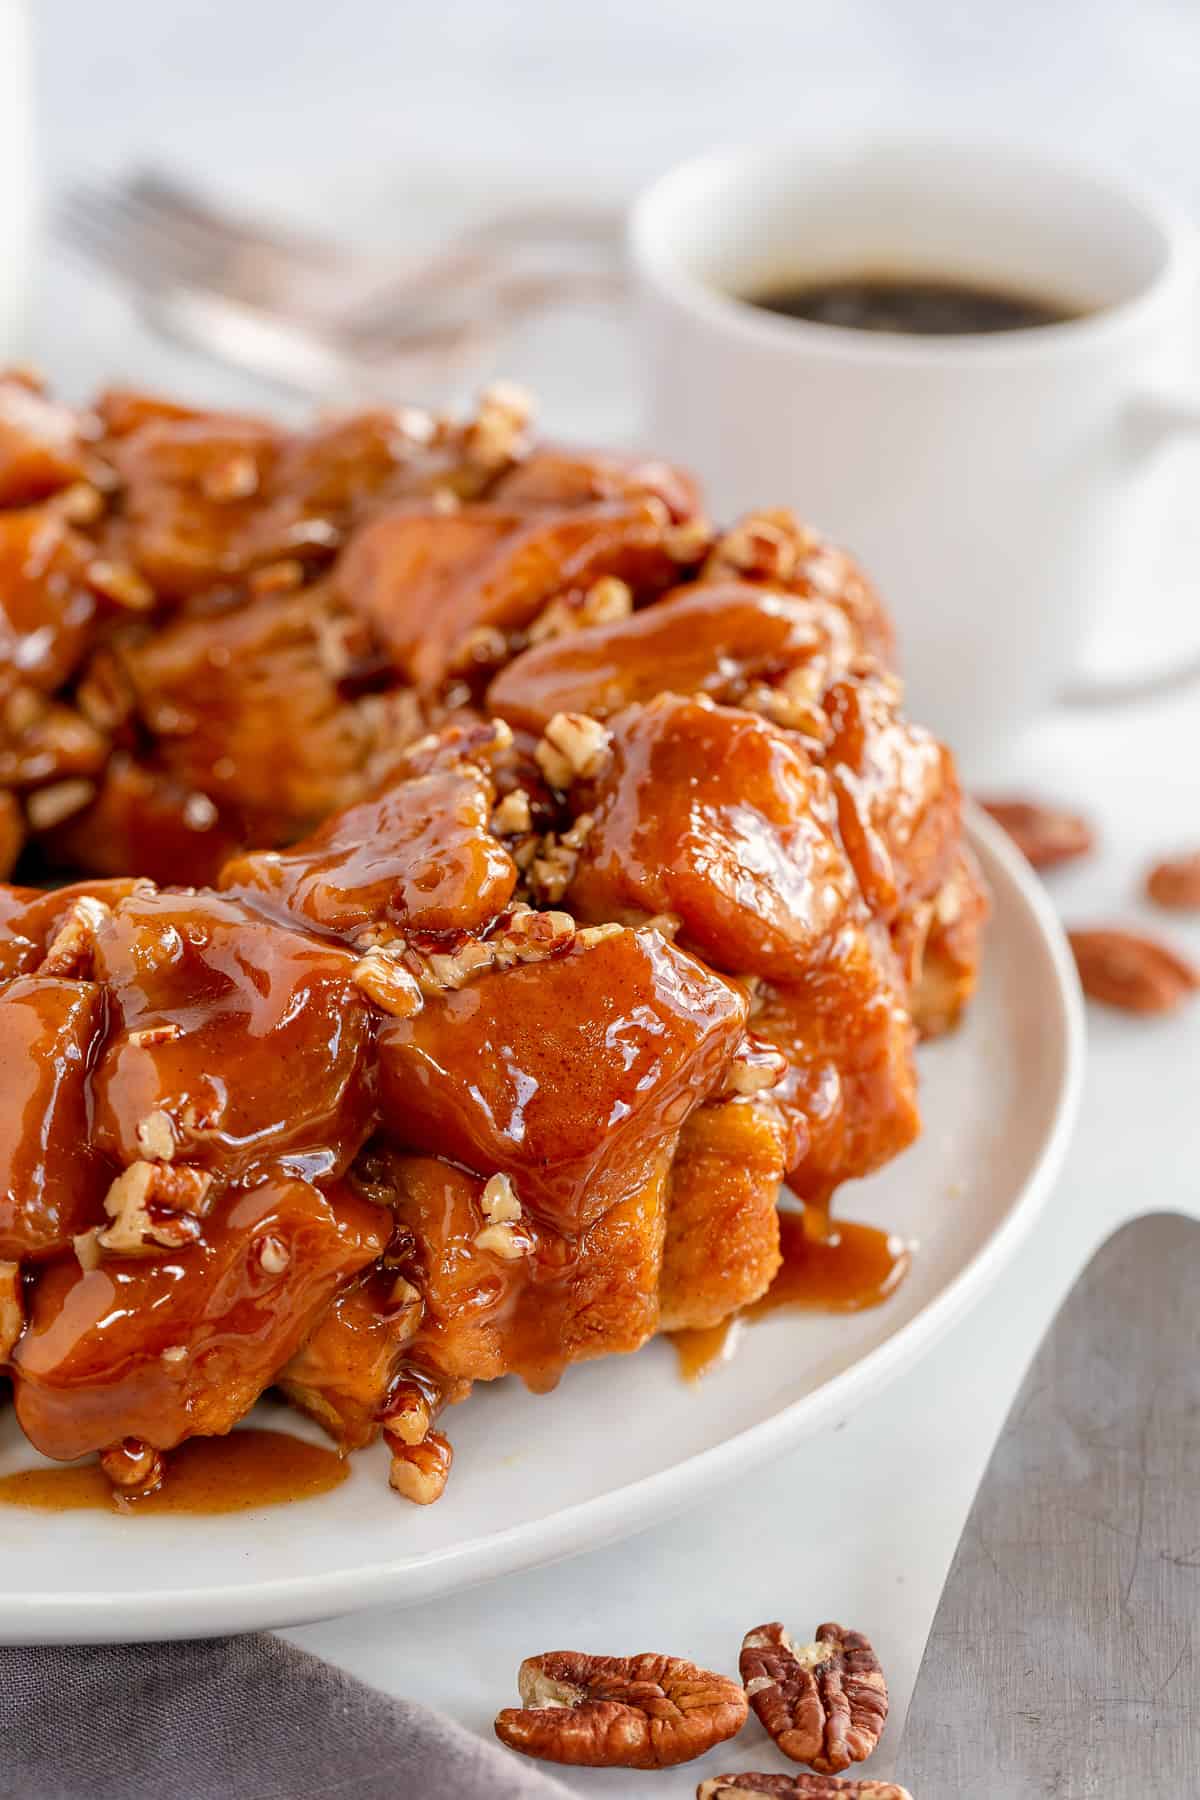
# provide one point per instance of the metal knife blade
(1064, 1659)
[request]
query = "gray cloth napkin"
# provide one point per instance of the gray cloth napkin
(242, 1718)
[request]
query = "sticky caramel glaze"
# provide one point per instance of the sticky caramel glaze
(40, 448)
(573, 1074)
(90, 1368)
(559, 475)
(341, 1376)
(424, 579)
(558, 1299)
(249, 1468)
(833, 1265)
(713, 639)
(895, 786)
(701, 1348)
(713, 814)
(52, 1179)
(898, 798)
(420, 858)
(252, 1003)
(29, 918)
(827, 1266)
(851, 1081)
(248, 709)
(46, 610)
(187, 536)
(777, 551)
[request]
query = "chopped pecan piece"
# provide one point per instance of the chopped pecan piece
(513, 816)
(155, 1136)
(133, 1466)
(688, 541)
(756, 1067)
(496, 436)
(588, 936)
(766, 544)
(148, 1037)
(796, 1787)
(503, 1234)
(70, 950)
(442, 970)
(628, 1712)
(608, 599)
(383, 980)
(824, 1703)
(154, 1206)
(87, 1249)
(12, 1308)
(573, 745)
(1045, 835)
(419, 1471)
(409, 1415)
(528, 936)
(1175, 883)
(1132, 972)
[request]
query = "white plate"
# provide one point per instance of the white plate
(621, 1442)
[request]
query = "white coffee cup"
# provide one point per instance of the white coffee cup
(1002, 489)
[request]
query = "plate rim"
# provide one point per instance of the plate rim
(622, 1511)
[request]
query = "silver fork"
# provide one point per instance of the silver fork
(304, 311)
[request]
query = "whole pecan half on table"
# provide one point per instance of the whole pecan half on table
(824, 1703)
(1130, 971)
(1045, 835)
(630, 1712)
(1175, 883)
(796, 1787)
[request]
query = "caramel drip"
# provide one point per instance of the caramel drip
(828, 1266)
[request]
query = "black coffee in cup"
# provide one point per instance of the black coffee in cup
(918, 306)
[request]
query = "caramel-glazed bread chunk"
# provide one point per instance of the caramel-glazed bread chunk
(488, 883)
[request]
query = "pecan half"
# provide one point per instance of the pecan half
(1175, 883)
(626, 1712)
(1132, 972)
(797, 1787)
(824, 1703)
(1044, 834)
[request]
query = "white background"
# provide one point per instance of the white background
(384, 119)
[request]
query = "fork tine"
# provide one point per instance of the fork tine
(93, 233)
(114, 229)
(233, 281)
(208, 237)
(202, 241)
(154, 231)
(175, 200)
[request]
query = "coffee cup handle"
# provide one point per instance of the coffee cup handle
(1155, 420)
